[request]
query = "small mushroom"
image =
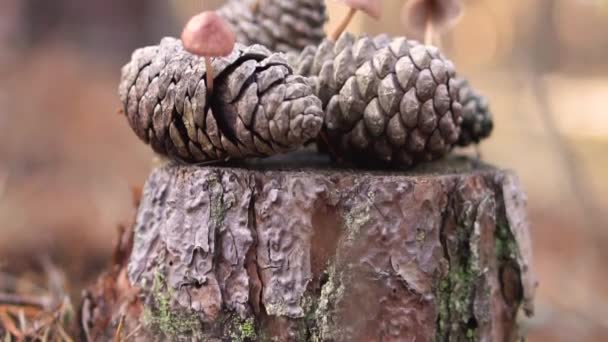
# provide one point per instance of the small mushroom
(371, 7)
(430, 16)
(208, 35)
(254, 6)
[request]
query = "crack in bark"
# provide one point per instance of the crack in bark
(507, 261)
(256, 287)
(236, 251)
(449, 209)
(216, 206)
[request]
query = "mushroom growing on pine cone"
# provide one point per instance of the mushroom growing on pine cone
(429, 17)
(389, 100)
(259, 108)
(208, 35)
(370, 7)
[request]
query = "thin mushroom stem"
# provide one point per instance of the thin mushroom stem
(209, 72)
(255, 6)
(208, 66)
(429, 33)
(118, 333)
(343, 25)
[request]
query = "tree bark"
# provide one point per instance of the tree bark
(265, 253)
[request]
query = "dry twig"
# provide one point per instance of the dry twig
(119, 329)
(9, 324)
(23, 300)
(132, 333)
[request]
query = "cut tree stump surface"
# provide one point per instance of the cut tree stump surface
(311, 253)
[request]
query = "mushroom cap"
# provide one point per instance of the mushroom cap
(373, 8)
(442, 13)
(209, 35)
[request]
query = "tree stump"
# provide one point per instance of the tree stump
(263, 252)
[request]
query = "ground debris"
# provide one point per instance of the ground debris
(29, 311)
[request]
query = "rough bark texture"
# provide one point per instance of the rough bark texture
(267, 253)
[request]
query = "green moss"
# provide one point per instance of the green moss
(471, 335)
(505, 244)
(455, 306)
(218, 206)
(318, 323)
(277, 309)
(443, 297)
(332, 293)
(248, 329)
(174, 324)
(420, 235)
(460, 280)
(159, 316)
(244, 331)
(307, 327)
(456, 290)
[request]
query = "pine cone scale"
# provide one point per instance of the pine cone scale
(477, 121)
(281, 25)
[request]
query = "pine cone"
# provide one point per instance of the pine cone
(280, 25)
(477, 123)
(389, 100)
(258, 107)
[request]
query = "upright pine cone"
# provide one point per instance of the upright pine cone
(258, 107)
(389, 100)
(477, 121)
(280, 25)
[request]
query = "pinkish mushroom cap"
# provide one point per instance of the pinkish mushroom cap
(208, 35)
(373, 8)
(443, 14)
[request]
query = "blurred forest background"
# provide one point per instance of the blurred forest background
(68, 162)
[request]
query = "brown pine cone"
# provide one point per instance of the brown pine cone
(389, 100)
(258, 107)
(280, 25)
(477, 123)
